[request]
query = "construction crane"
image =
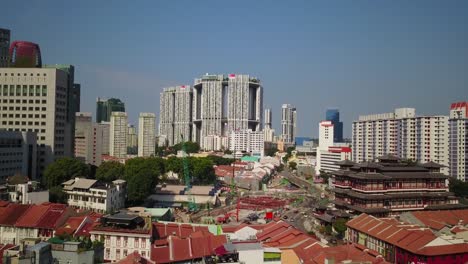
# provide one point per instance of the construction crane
(192, 206)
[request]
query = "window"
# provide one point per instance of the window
(136, 243)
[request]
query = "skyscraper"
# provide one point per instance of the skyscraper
(104, 108)
(333, 115)
(268, 131)
(36, 100)
(268, 118)
(4, 46)
(73, 98)
(458, 140)
(288, 123)
(118, 135)
(132, 140)
(222, 104)
(105, 130)
(146, 134)
(24, 54)
(88, 139)
(175, 114)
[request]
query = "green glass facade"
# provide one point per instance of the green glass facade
(104, 109)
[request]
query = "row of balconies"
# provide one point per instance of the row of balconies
(383, 188)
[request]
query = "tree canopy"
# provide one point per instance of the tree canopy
(110, 171)
(63, 170)
(217, 160)
(142, 176)
(292, 165)
(340, 226)
(202, 171)
(191, 147)
(458, 187)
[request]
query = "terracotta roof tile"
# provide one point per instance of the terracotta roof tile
(52, 216)
(32, 216)
(13, 213)
(135, 258)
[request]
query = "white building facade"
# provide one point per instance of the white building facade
(401, 133)
(215, 143)
(458, 140)
(96, 196)
(247, 141)
(118, 135)
(225, 103)
(88, 139)
(117, 245)
(146, 134)
(175, 104)
(329, 152)
(288, 123)
(40, 100)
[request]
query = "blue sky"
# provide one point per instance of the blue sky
(360, 56)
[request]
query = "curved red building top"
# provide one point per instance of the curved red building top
(25, 54)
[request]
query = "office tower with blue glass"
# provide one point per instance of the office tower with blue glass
(333, 115)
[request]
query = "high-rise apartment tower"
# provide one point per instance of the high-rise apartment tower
(288, 123)
(225, 103)
(146, 134)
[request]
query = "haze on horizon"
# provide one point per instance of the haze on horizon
(362, 57)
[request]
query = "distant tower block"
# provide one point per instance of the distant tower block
(24, 54)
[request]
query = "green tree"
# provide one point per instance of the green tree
(173, 164)
(63, 170)
(292, 165)
(110, 171)
(142, 176)
(271, 152)
(202, 171)
(220, 160)
(328, 229)
(57, 195)
(458, 187)
(340, 226)
(191, 147)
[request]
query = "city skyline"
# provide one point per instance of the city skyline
(387, 64)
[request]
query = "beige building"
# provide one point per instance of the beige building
(88, 139)
(105, 130)
(39, 100)
(146, 134)
(118, 135)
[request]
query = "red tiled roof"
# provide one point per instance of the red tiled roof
(4, 203)
(343, 253)
(70, 226)
(307, 251)
(195, 245)
(135, 258)
(4, 247)
(458, 229)
(32, 216)
(407, 237)
(52, 216)
(180, 249)
(12, 213)
(439, 219)
(444, 250)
